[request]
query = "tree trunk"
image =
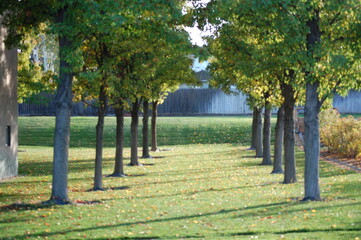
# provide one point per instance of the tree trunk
(63, 100)
(119, 142)
(312, 143)
(289, 138)
(259, 146)
(154, 126)
(266, 160)
(134, 134)
(254, 129)
(312, 109)
(145, 129)
(279, 133)
(98, 175)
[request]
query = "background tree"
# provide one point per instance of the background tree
(265, 51)
(34, 77)
(279, 135)
(174, 69)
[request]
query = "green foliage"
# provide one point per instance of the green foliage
(22, 17)
(256, 42)
(249, 52)
(142, 55)
(32, 77)
(340, 134)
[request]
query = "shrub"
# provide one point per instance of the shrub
(340, 135)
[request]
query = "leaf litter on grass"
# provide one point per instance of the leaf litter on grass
(205, 191)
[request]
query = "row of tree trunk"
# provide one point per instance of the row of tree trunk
(284, 138)
(119, 141)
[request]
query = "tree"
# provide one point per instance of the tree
(256, 139)
(145, 130)
(328, 68)
(288, 92)
(306, 38)
(63, 99)
(233, 69)
(64, 19)
(279, 133)
(260, 55)
(267, 132)
(118, 165)
(33, 76)
(60, 18)
(98, 57)
(174, 70)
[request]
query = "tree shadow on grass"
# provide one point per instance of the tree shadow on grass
(327, 170)
(12, 220)
(19, 206)
(185, 179)
(41, 181)
(302, 230)
(201, 169)
(23, 207)
(157, 237)
(125, 238)
(109, 189)
(230, 152)
(221, 212)
(273, 210)
(190, 193)
(46, 168)
(189, 217)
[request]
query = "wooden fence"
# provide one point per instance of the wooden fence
(48, 108)
(190, 102)
(349, 104)
(204, 102)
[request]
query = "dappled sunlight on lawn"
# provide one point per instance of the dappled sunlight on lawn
(198, 191)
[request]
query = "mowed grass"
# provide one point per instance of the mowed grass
(38, 131)
(201, 186)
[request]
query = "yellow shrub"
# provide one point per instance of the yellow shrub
(340, 135)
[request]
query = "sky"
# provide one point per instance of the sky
(196, 38)
(194, 32)
(196, 35)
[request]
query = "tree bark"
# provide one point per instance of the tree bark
(259, 146)
(289, 137)
(119, 143)
(254, 129)
(63, 101)
(312, 143)
(278, 147)
(154, 126)
(134, 133)
(266, 160)
(145, 129)
(312, 109)
(98, 176)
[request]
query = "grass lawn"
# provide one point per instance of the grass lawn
(204, 185)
